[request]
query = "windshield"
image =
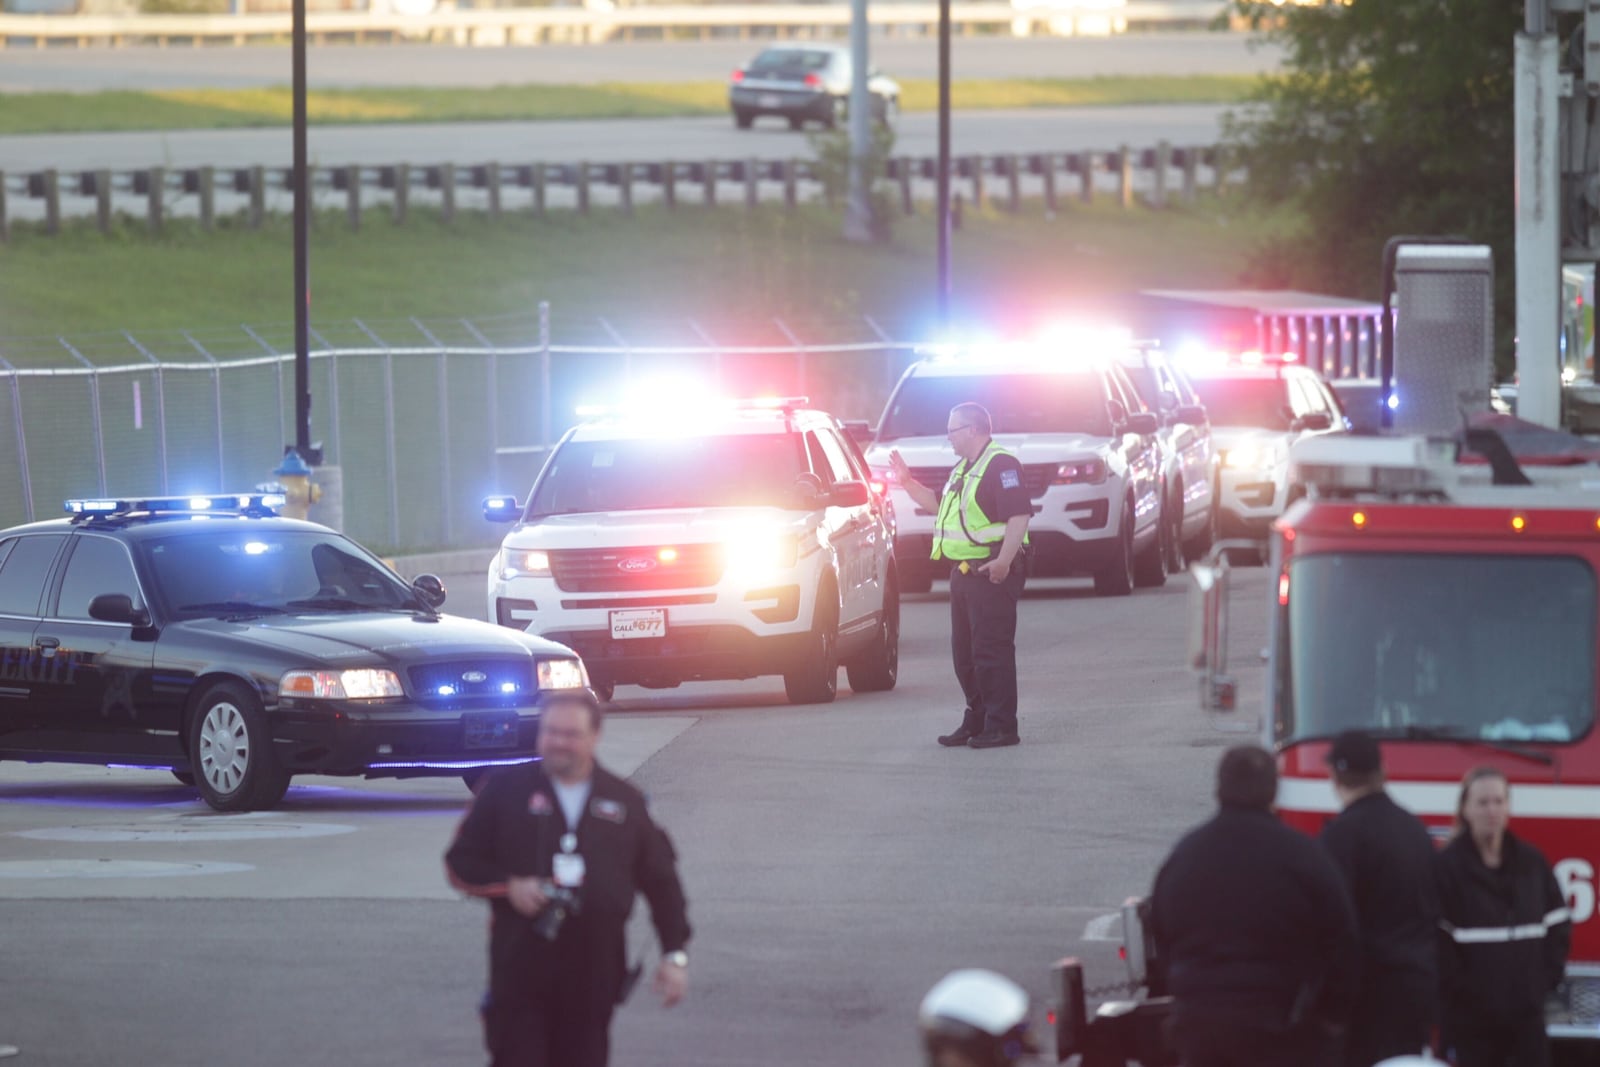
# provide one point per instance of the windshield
(1490, 647)
(737, 470)
(790, 59)
(1258, 402)
(1018, 403)
(236, 571)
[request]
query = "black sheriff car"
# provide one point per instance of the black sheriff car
(237, 648)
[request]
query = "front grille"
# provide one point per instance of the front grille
(462, 678)
(1035, 477)
(1582, 1001)
(641, 601)
(623, 570)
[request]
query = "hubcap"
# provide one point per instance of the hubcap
(224, 754)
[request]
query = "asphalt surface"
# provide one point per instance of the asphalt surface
(837, 861)
(351, 66)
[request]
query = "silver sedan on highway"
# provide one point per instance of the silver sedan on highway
(805, 83)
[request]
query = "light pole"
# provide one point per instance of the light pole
(858, 207)
(943, 196)
(302, 237)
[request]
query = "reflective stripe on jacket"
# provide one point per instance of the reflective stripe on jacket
(962, 530)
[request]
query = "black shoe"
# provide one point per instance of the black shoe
(959, 739)
(993, 739)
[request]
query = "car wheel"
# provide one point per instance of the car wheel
(184, 776)
(743, 119)
(1150, 568)
(1117, 577)
(604, 690)
(878, 668)
(815, 678)
(796, 122)
(1172, 542)
(475, 779)
(231, 751)
(838, 111)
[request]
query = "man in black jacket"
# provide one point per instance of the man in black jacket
(560, 849)
(1254, 931)
(1387, 858)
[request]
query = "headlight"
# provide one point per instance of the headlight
(524, 563)
(1080, 472)
(1258, 457)
(759, 555)
(562, 674)
(362, 684)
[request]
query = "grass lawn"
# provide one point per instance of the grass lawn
(223, 108)
(728, 267)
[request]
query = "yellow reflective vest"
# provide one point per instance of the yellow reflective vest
(962, 530)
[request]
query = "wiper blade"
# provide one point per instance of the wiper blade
(331, 603)
(1456, 736)
(234, 607)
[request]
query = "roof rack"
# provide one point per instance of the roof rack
(253, 505)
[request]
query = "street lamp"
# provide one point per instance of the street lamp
(943, 198)
(302, 238)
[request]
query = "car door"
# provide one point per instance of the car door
(1143, 452)
(25, 564)
(1196, 461)
(93, 702)
(837, 528)
(858, 552)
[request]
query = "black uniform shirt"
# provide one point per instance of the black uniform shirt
(1002, 492)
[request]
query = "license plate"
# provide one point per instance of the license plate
(769, 100)
(638, 622)
(496, 730)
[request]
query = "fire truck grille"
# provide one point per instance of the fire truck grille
(1583, 998)
(646, 568)
(1035, 477)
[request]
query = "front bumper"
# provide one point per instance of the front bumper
(687, 653)
(1073, 531)
(1251, 500)
(402, 740)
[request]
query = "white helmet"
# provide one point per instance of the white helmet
(981, 1015)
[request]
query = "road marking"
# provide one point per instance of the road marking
(254, 827)
(113, 869)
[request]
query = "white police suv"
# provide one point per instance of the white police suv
(1258, 407)
(727, 541)
(1088, 447)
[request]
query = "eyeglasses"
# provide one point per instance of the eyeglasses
(952, 431)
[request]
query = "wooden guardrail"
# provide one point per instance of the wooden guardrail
(1167, 172)
(501, 26)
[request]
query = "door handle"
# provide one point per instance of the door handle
(47, 645)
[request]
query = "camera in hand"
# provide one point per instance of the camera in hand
(562, 902)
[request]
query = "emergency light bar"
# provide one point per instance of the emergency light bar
(254, 504)
(655, 406)
(1391, 465)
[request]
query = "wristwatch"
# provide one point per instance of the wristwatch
(679, 958)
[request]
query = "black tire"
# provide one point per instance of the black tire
(815, 678)
(1150, 568)
(878, 668)
(1117, 577)
(475, 778)
(185, 777)
(603, 688)
(796, 122)
(230, 750)
(837, 112)
(743, 119)
(1172, 542)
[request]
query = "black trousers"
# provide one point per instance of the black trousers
(1510, 1046)
(554, 1030)
(1204, 1042)
(983, 646)
(1391, 1019)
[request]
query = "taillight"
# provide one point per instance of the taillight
(738, 75)
(1080, 472)
(814, 81)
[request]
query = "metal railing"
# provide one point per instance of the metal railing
(1155, 174)
(423, 418)
(541, 25)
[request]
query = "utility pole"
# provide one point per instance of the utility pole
(302, 241)
(1538, 216)
(943, 197)
(858, 205)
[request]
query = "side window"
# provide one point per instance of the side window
(22, 576)
(98, 565)
(837, 459)
(1300, 400)
(1123, 390)
(819, 459)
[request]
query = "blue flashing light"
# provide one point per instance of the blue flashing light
(447, 690)
(451, 765)
(508, 687)
(233, 503)
(1394, 401)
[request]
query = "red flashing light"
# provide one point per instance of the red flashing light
(814, 81)
(1283, 590)
(738, 75)
(879, 486)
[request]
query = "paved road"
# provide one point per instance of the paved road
(344, 66)
(608, 140)
(838, 863)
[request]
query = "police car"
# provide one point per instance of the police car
(1088, 446)
(1258, 407)
(713, 541)
(207, 636)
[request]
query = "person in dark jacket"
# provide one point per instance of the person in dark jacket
(1505, 933)
(560, 849)
(1386, 857)
(1254, 932)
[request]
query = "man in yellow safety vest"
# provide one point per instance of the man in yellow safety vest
(982, 529)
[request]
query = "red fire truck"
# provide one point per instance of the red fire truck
(1443, 596)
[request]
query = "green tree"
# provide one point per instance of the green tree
(1389, 117)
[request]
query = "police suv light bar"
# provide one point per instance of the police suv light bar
(221, 504)
(655, 406)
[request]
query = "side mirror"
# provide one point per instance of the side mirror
(1143, 423)
(429, 589)
(117, 607)
(501, 508)
(859, 431)
(1315, 420)
(1189, 415)
(849, 494)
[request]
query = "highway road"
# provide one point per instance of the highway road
(350, 66)
(838, 863)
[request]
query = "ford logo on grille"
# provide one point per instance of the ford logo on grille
(474, 677)
(636, 565)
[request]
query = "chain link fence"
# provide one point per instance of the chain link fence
(422, 418)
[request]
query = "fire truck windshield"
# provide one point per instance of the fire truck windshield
(1468, 647)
